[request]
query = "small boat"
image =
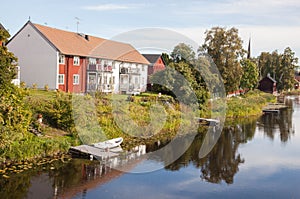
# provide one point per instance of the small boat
(113, 143)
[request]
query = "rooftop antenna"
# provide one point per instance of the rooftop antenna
(77, 22)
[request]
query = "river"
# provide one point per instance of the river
(256, 158)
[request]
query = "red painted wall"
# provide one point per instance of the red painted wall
(68, 69)
(158, 65)
(62, 70)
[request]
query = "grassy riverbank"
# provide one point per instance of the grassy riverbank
(59, 132)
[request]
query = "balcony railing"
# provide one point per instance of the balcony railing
(100, 67)
(134, 70)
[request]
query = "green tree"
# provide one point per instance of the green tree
(288, 62)
(7, 62)
(250, 74)
(15, 116)
(280, 66)
(225, 48)
(176, 80)
(183, 52)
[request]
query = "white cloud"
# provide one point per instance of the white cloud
(263, 38)
(109, 7)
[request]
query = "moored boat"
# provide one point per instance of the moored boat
(113, 143)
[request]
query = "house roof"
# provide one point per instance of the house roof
(2, 27)
(71, 43)
(152, 58)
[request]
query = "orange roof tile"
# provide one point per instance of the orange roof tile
(71, 43)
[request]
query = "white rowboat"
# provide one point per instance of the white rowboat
(109, 143)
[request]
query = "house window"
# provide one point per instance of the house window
(105, 63)
(61, 59)
(76, 61)
(105, 80)
(143, 68)
(75, 79)
(92, 61)
(61, 79)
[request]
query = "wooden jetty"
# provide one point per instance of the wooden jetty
(207, 121)
(274, 107)
(92, 152)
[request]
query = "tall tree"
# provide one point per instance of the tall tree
(225, 48)
(183, 52)
(280, 66)
(287, 69)
(7, 62)
(14, 115)
(188, 85)
(250, 74)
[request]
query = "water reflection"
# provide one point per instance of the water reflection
(222, 163)
(282, 123)
(77, 178)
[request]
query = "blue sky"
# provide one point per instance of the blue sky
(272, 24)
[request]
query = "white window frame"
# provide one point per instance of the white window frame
(76, 61)
(61, 59)
(75, 79)
(92, 61)
(59, 78)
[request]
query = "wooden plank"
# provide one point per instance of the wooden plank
(207, 120)
(96, 152)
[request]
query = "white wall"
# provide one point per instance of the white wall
(116, 74)
(36, 58)
(144, 76)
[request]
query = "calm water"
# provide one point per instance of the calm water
(252, 159)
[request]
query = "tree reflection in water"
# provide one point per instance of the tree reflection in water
(272, 123)
(222, 163)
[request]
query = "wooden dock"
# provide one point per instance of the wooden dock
(207, 121)
(274, 107)
(92, 152)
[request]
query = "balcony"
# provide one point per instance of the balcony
(104, 68)
(100, 68)
(134, 70)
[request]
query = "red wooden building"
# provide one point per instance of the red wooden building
(156, 64)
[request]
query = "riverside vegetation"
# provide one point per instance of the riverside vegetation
(59, 131)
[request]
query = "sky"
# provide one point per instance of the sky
(271, 24)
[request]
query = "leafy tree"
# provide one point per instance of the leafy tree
(183, 52)
(225, 48)
(250, 74)
(7, 62)
(14, 114)
(287, 68)
(190, 84)
(176, 80)
(166, 58)
(280, 66)
(264, 64)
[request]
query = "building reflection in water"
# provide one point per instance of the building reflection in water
(282, 123)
